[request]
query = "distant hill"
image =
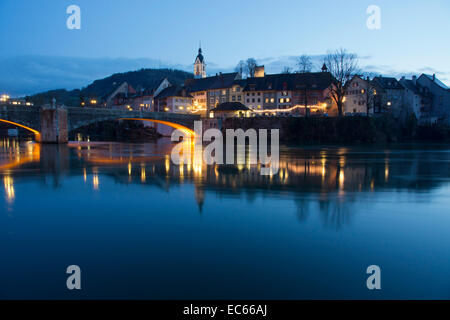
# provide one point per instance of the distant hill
(141, 79)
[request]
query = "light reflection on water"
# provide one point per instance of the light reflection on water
(199, 231)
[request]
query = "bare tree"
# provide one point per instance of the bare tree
(304, 64)
(286, 70)
(369, 94)
(342, 65)
(240, 68)
(251, 67)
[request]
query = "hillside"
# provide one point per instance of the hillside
(141, 79)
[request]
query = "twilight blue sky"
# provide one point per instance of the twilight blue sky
(38, 52)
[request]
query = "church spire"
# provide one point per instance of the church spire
(200, 65)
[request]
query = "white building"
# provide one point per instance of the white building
(357, 96)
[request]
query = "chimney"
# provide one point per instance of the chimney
(260, 72)
(414, 80)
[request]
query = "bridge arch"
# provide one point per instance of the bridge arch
(188, 132)
(37, 134)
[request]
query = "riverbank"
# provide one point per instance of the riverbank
(343, 129)
(126, 131)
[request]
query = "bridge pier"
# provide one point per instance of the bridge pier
(54, 127)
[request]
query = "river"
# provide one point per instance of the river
(140, 227)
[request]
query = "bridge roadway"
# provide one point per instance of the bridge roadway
(52, 125)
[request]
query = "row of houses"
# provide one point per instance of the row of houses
(425, 96)
(277, 94)
(288, 94)
(295, 94)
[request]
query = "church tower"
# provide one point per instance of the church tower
(200, 65)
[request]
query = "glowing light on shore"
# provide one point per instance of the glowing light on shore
(323, 106)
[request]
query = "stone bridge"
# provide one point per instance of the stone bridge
(52, 125)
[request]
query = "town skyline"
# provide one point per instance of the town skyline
(96, 68)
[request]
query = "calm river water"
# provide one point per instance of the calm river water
(141, 227)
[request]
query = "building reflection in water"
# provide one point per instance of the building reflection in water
(14, 154)
(95, 179)
(330, 178)
(9, 189)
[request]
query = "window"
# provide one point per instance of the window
(267, 100)
(233, 98)
(239, 98)
(281, 100)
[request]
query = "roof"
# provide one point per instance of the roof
(292, 81)
(240, 82)
(437, 81)
(415, 88)
(387, 83)
(230, 106)
(356, 76)
(173, 91)
(200, 55)
(220, 81)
